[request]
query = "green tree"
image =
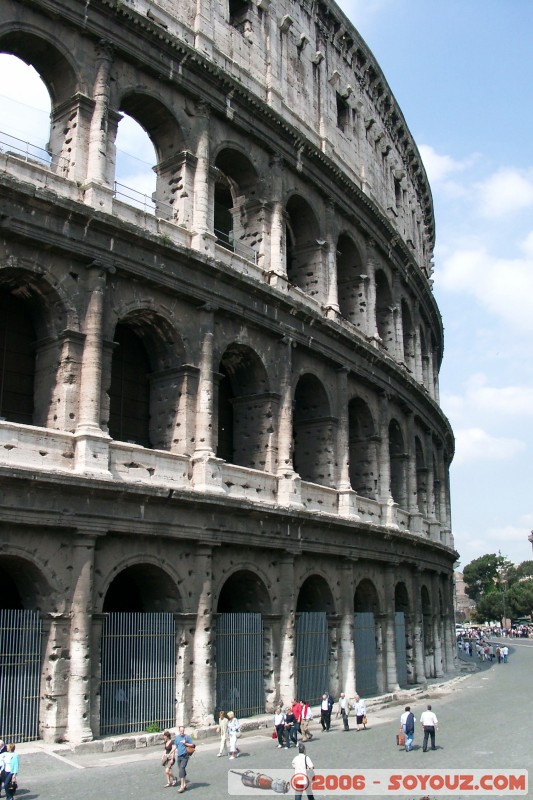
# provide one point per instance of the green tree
(484, 575)
(490, 607)
(520, 598)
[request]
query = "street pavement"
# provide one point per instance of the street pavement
(484, 723)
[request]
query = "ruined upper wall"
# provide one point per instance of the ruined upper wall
(306, 61)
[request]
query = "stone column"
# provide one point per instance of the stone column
(380, 623)
(390, 631)
(437, 627)
(203, 238)
(98, 193)
(92, 444)
(415, 515)
(289, 483)
(371, 321)
(278, 263)
(53, 712)
(70, 124)
(332, 302)
(388, 506)
(346, 495)
(206, 471)
(450, 647)
(347, 649)
(287, 666)
(79, 683)
(397, 314)
(418, 641)
(430, 487)
(203, 703)
(431, 376)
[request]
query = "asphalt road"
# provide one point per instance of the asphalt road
(484, 723)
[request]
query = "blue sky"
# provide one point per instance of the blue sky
(462, 74)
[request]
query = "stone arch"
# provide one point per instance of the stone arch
(313, 434)
(23, 584)
(384, 314)
(33, 318)
(245, 409)
(408, 337)
(305, 255)
(145, 380)
(142, 588)
(243, 592)
(398, 464)
(366, 597)
(315, 595)
(427, 631)
(363, 457)
(236, 217)
(401, 597)
(350, 285)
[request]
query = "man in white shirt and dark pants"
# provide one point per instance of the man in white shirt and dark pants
(430, 724)
(303, 766)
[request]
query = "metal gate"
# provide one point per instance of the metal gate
(401, 651)
(311, 656)
(365, 653)
(20, 674)
(239, 661)
(138, 657)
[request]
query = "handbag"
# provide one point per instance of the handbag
(364, 719)
(190, 748)
(274, 735)
(400, 740)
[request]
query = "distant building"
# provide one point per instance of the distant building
(464, 605)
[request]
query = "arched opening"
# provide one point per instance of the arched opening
(313, 605)
(244, 410)
(135, 180)
(141, 588)
(129, 393)
(236, 221)
(350, 285)
(23, 593)
(403, 636)
(408, 337)
(384, 315)
(243, 643)
(25, 109)
(421, 478)
(240, 16)
(138, 650)
(313, 432)
(398, 463)
(304, 247)
(17, 360)
(362, 449)
(366, 607)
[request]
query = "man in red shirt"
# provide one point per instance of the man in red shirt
(297, 711)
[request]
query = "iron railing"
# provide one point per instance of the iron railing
(239, 661)
(227, 240)
(29, 152)
(311, 656)
(20, 674)
(365, 653)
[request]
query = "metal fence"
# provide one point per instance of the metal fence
(20, 674)
(29, 152)
(227, 240)
(401, 650)
(138, 657)
(239, 662)
(365, 653)
(311, 655)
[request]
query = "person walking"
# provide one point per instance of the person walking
(407, 724)
(279, 724)
(234, 730)
(9, 767)
(430, 724)
(307, 716)
(222, 729)
(360, 712)
(505, 653)
(291, 729)
(169, 759)
(181, 740)
(303, 766)
(343, 709)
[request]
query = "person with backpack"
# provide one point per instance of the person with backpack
(407, 723)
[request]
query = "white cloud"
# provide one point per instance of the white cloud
(505, 192)
(479, 397)
(438, 166)
(475, 444)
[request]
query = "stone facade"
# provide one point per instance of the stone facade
(231, 404)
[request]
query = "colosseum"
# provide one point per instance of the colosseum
(224, 467)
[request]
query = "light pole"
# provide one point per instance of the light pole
(503, 576)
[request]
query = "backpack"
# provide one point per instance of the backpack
(410, 723)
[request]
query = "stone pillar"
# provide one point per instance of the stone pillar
(53, 712)
(450, 647)
(371, 321)
(203, 238)
(397, 315)
(289, 483)
(388, 506)
(332, 291)
(381, 677)
(431, 376)
(390, 631)
(437, 627)
(92, 445)
(96, 165)
(204, 701)
(346, 645)
(206, 471)
(70, 124)
(430, 485)
(415, 515)
(346, 496)
(287, 662)
(278, 259)
(79, 682)
(203, 27)
(418, 640)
